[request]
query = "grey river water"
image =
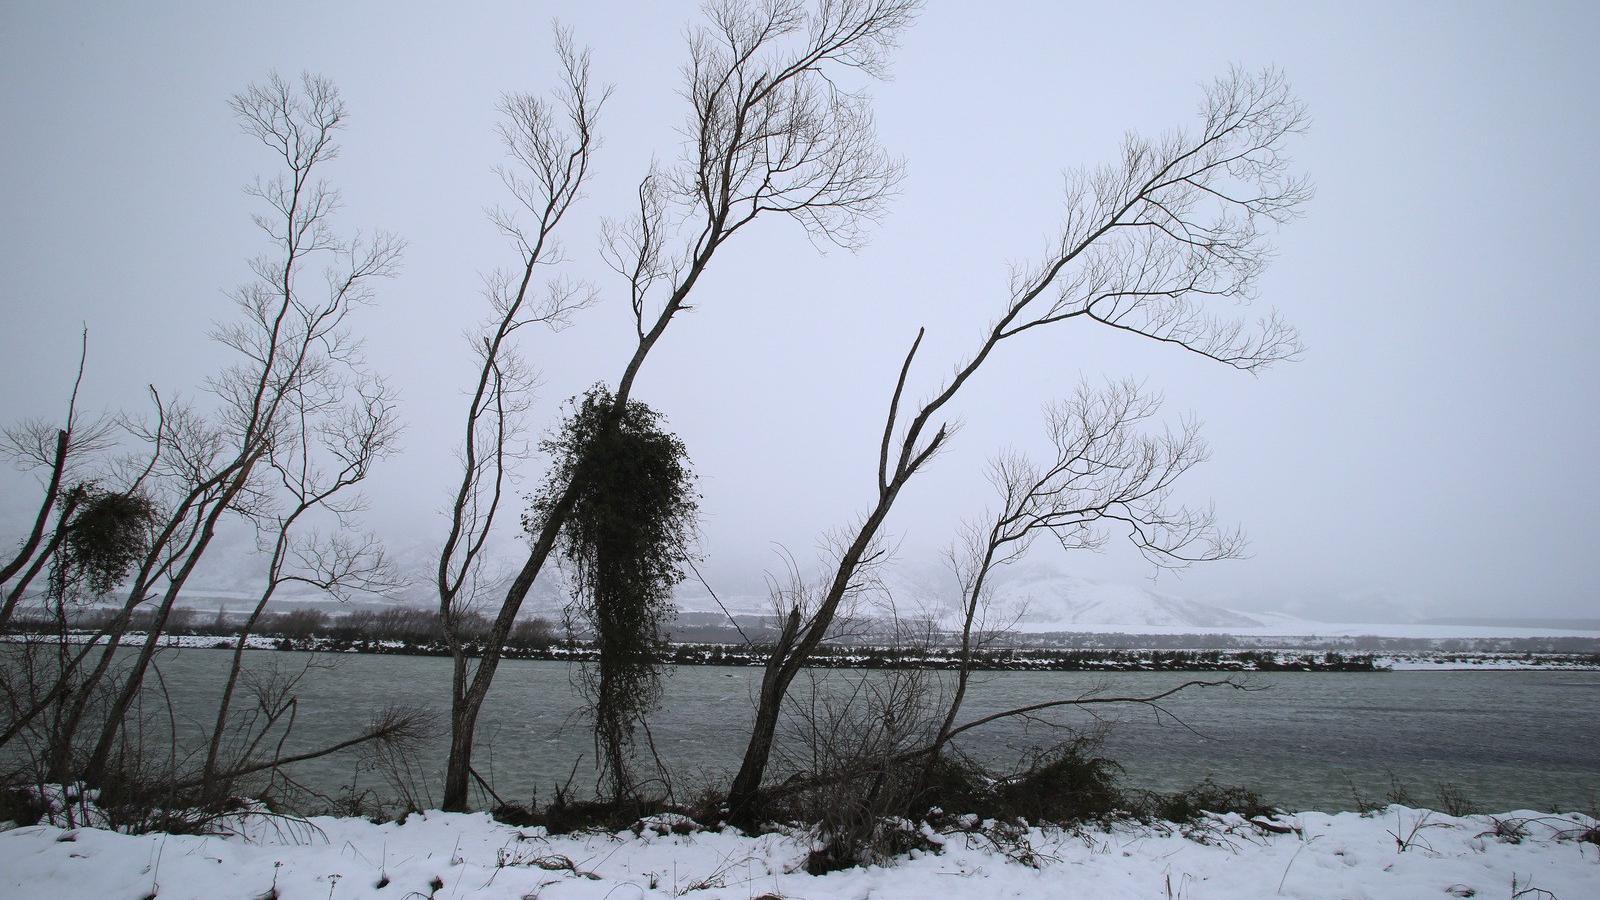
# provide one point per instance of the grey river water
(1508, 740)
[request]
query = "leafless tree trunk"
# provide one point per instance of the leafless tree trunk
(30, 544)
(1146, 243)
(771, 133)
(64, 509)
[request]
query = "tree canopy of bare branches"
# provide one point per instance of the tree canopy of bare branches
(1163, 244)
(771, 132)
(297, 421)
(1107, 474)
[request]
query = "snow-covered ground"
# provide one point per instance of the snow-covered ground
(440, 855)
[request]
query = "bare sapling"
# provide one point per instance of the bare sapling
(550, 143)
(1107, 475)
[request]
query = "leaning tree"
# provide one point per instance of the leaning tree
(1162, 244)
(772, 132)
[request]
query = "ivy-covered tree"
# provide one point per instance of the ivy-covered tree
(624, 545)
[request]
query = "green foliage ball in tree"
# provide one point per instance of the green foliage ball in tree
(624, 542)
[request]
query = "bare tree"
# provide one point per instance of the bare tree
(771, 132)
(1148, 247)
(550, 146)
(332, 448)
(1105, 476)
(296, 353)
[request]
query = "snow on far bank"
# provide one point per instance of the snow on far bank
(1467, 662)
(442, 855)
(1117, 660)
(1285, 627)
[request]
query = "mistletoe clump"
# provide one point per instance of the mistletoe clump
(108, 532)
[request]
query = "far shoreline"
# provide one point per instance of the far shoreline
(1120, 660)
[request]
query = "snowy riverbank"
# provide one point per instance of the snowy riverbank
(439, 855)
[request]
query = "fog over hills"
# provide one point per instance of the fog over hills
(1030, 597)
(1053, 601)
(1035, 596)
(1358, 472)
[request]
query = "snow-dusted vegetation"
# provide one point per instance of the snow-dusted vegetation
(1396, 853)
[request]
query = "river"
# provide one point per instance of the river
(1507, 740)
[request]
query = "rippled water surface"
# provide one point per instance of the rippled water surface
(1506, 739)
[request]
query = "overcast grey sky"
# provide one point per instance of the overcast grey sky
(1435, 450)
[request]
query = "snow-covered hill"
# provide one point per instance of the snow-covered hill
(1047, 600)
(1054, 601)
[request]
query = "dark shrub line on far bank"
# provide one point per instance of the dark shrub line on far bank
(415, 633)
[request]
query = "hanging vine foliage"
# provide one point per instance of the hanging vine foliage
(624, 545)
